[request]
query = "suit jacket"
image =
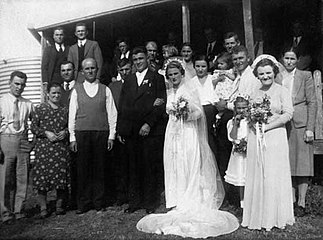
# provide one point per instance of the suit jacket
(218, 48)
(48, 62)
(91, 50)
(136, 105)
(304, 100)
(66, 96)
(115, 88)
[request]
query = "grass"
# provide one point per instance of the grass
(114, 224)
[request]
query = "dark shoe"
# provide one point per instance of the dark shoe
(19, 216)
(60, 211)
(299, 211)
(82, 211)
(101, 210)
(120, 202)
(8, 219)
(131, 209)
(150, 210)
(44, 214)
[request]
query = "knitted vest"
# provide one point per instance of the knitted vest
(91, 114)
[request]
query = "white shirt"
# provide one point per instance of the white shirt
(70, 86)
(57, 46)
(81, 42)
(7, 105)
(140, 76)
(297, 39)
(91, 90)
(126, 55)
(288, 80)
(206, 90)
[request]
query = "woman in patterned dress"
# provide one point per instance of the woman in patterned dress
(50, 171)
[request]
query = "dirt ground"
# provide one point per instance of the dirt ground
(115, 224)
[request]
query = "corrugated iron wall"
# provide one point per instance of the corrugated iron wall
(32, 67)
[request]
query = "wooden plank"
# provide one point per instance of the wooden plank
(319, 115)
(186, 22)
(248, 30)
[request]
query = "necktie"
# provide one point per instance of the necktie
(60, 49)
(16, 122)
(67, 86)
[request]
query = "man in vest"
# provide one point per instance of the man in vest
(92, 123)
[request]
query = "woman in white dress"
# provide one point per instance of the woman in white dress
(193, 187)
(268, 201)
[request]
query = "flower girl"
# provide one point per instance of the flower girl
(237, 134)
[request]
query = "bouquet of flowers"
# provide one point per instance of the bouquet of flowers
(180, 108)
(259, 111)
(240, 146)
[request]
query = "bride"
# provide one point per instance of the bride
(193, 187)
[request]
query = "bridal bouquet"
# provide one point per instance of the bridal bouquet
(180, 108)
(259, 111)
(240, 146)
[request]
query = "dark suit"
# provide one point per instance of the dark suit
(65, 97)
(119, 157)
(145, 153)
(217, 48)
(51, 61)
(91, 50)
(223, 145)
(72, 197)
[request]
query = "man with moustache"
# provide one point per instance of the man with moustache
(15, 113)
(84, 48)
(53, 57)
(141, 127)
(92, 122)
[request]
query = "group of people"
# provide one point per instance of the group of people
(171, 126)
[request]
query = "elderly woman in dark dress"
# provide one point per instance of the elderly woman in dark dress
(301, 136)
(50, 171)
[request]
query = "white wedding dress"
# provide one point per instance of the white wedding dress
(193, 186)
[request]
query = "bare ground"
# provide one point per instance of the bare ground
(115, 224)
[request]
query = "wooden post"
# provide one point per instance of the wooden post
(93, 30)
(44, 43)
(319, 116)
(186, 22)
(247, 20)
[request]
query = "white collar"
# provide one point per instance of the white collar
(14, 97)
(71, 84)
(143, 73)
(83, 42)
(126, 55)
(86, 83)
(57, 46)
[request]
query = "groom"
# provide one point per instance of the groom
(141, 127)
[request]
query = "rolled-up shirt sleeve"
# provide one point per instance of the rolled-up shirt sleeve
(112, 113)
(72, 115)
